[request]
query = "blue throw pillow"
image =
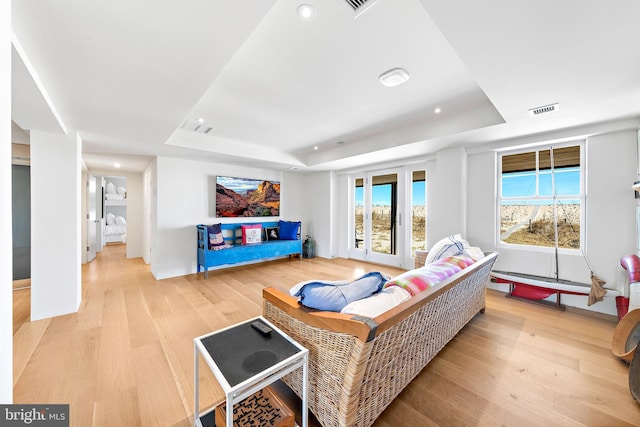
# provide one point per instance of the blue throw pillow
(334, 295)
(289, 230)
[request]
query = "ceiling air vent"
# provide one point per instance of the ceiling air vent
(358, 6)
(544, 109)
(197, 126)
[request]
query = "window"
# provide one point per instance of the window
(538, 189)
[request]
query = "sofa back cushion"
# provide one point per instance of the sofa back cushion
(377, 303)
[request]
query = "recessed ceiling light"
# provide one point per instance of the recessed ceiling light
(306, 12)
(438, 110)
(116, 165)
(394, 77)
(315, 148)
(340, 142)
(200, 120)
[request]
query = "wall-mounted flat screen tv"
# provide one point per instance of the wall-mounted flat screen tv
(246, 197)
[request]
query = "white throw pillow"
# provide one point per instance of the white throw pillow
(449, 246)
(474, 253)
(122, 190)
(377, 303)
(111, 189)
(121, 221)
(111, 219)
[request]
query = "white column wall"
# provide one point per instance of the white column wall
(447, 192)
(343, 206)
(481, 206)
(611, 204)
(294, 200)
(320, 199)
(147, 181)
(56, 285)
(6, 251)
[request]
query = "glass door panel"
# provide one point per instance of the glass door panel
(418, 211)
(384, 213)
(385, 219)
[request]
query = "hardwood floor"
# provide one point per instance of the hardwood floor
(126, 357)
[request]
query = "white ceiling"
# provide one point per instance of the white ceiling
(127, 75)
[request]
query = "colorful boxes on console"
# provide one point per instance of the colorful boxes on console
(263, 408)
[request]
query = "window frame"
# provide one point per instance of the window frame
(582, 197)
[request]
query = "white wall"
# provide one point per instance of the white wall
(611, 206)
(55, 224)
(6, 258)
(135, 207)
(186, 197)
(447, 192)
(148, 189)
(610, 216)
(343, 239)
(294, 200)
(481, 206)
(320, 199)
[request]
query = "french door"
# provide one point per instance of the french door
(386, 223)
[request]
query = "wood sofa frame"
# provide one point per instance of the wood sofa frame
(358, 365)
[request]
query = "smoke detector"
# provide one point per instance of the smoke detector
(394, 77)
(544, 109)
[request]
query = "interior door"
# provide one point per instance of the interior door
(92, 220)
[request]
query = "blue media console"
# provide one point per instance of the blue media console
(239, 253)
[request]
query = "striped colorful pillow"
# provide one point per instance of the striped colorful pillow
(420, 279)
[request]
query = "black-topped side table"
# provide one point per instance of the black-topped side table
(244, 361)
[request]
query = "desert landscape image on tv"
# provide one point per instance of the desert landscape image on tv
(246, 197)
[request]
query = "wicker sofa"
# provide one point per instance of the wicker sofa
(358, 365)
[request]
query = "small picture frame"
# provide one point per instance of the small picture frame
(271, 233)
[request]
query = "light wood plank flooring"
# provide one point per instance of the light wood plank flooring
(126, 357)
